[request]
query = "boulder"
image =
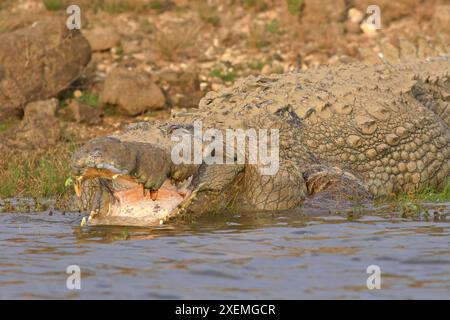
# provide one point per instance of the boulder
(183, 87)
(39, 61)
(133, 91)
(102, 38)
(82, 113)
(39, 127)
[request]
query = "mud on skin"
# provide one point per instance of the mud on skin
(366, 130)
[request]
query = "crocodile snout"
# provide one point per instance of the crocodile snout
(108, 156)
(105, 153)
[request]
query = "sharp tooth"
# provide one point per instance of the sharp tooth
(83, 222)
(77, 189)
(93, 213)
(76, 186)
(161, 222)
(115, 176)
(185, 183)
(153, 194)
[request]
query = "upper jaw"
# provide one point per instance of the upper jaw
(104, 154)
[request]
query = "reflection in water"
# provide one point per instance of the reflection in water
(293, 255)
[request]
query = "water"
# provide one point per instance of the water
(289, 256)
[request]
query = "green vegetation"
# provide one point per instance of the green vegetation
(86, 98)
(259, 5)
(262, 43)
(125, 234)
(159, 5)
(296, 7)
(37, 175)
(208, 14)
(224, 75)
(89, 99)
(7, 124)
(63, 104)
(257, 37)
(109, 109)
(119, 50)
(427, 195)
(146, 26)
(120, 6)
(54, 5)
(112, 7)
(410, 205)
(256, 65)
(274, 27)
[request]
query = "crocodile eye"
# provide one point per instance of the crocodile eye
(288, 115)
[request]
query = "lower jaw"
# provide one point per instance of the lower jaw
(137, 207)
(124, 201)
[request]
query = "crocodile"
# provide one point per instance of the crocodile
(358, 130)
(39, 61)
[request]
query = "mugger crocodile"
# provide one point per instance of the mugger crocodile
(374, 130)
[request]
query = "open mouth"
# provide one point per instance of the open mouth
(119, 199)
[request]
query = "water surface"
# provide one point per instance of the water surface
(263, 256)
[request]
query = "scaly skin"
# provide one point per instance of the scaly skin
(380, 129)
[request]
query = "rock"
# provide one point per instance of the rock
(39, 61)
(183, 87)
(355, 16)
(204, 86)
(132, 91)
(368, 29)
(82, 113)
(216, 86)
(168, 75)
(39, 127)
(352, 27)
(102, 38)
(266, 70)
(77, 94)
(130, 46)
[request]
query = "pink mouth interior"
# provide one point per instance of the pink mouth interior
(131, 204)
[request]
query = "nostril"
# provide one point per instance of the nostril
(96, 153)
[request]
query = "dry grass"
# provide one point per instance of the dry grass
(208, 14)
(258, 36)
(36, 174)
(176, 42)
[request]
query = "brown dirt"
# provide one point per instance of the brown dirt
(191, 47)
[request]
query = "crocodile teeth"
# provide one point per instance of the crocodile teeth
(93, 213)
(76, 186)
(153, 194)
(185, 183)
